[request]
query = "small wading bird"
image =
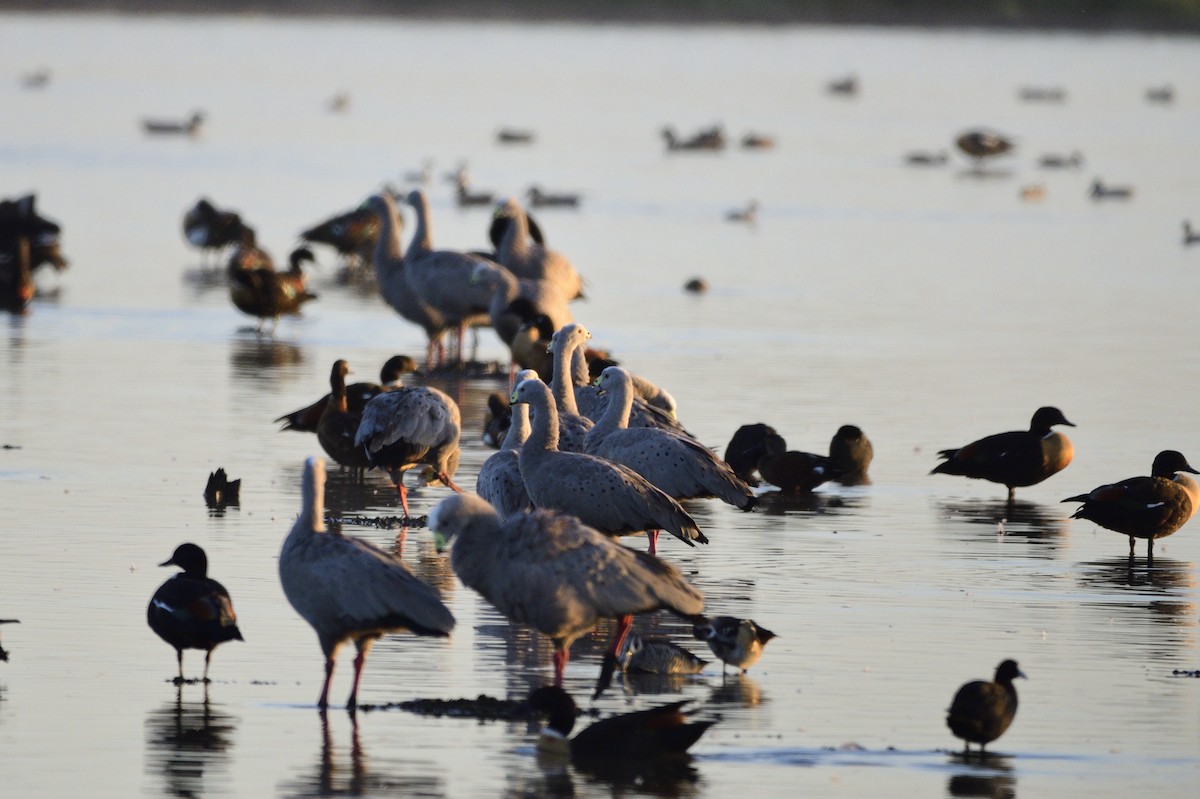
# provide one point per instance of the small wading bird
(1019, 458)
(348, 589)
(1145, 507)
(738, 642)
(982, 711)
(191, 610)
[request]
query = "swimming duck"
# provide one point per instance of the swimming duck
(543, 199)
(792, 471)
(642, 735)
(747, 215)
(738, 642)
(1102, 191)
(188, 127)
(1018, 458)
(259, 290)
(981, 710)
(707, 139)
(348, 589)
(191, 610)
(1145, 507)
(220, 490)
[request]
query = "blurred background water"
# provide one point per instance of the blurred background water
(929, 306)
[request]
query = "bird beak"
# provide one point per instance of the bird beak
(169, 562)
(1021, 674)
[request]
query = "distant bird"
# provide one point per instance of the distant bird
(1190, 236)
(643, 735)
(267, 294)
(737, 642)
(307, 418)
(1019, 458)
(1145, 507)
(3, 652)
(1057, 161)
(921, 158)
(211, 230)
(679, 465)
(514, 136)
(843, 87)
(981, 144)
(541, 199)
(657, 656)
(528, 259)
(220, 491)
(339, 103)
(851, 450)
(410, 427)
(748, 214)
(1164, 94)
(187, 127)
(37, 79)
(1102, 191)
(353, 234)
(757, 141)
(467, 198)
(982, 711)
(499, 480)
(553, 572)
(349, 589)
(696, 285)
(1042, 94)
(191, 610)
(708, 139)
(20, 219)
(612, 498)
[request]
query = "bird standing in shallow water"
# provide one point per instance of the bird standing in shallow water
(1145, 507)
(348, 589)
(1018, 458)
(982, 711)
(738, 642)
(191, 610)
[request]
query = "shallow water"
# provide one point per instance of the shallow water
(928, 306)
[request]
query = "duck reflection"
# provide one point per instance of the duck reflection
(186, 739)
(330, 778)
(783, 503)
(257, 358)
(738, 690)
(982, 774)
(1042, 524)
(1165, 585)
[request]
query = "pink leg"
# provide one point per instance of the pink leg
(445, 478)
(359, 661)
(624, 624)
(323, 702)
(561, 656)
(403, 492)
(652, 535)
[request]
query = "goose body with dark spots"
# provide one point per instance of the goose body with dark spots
(525, 258)
(1014, 459)
(682, 467)
(348, 589)
(1145, 507)
(610, 497)
(553, 572)
(191, 610)
(981, 711)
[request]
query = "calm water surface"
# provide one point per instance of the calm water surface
(929, 307)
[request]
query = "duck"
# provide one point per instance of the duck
(526, 258)
(19, 218)
(1102, 191)
(981, 144)
(191, 610)
(745, 448)
(696, 285)
(188, 127)
(843, 87)
(792, 471)
(757, 141)
(3, 651)
(657, 656)
(538, 198)
(1164, 94)
(680, 466)
(1145, 507)
(553, 572)
(212, 230)
(220, 491)
(410, 427)
(1057, 161)
(922, 158)
(643, 735)
(1042, 94)
(1015, 459)
(306, 419)
(747, 215)
(852, 452)
(514, 136)
(737, 642)
(263, 292)
(981, 711)
(607, 496)
(353, 234)
(1190, 236)
(348, 589)
(707, 139)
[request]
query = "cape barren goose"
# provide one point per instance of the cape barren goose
(643, 735)
(680, 466)
(191, 610)
(653, 406)
(543, 297)
(306, 419)
(499, 479)
(1145, 507)
(1018, 458)
(410, 427)
(572, 425)
(612, 498)
(982, 711)
(555, 573)
(348, 589)
(528, 259)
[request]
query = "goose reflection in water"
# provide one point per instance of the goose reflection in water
(184, 740)
(329, 778)
(990, 777)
